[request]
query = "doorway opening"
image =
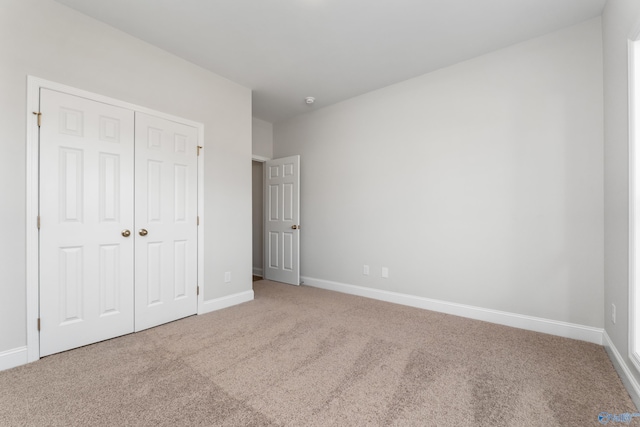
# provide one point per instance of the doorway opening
(257, 198)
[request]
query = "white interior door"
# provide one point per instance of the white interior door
(282, 220)
(166, 221)
(86, 195)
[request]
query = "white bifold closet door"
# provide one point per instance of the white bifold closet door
(101, 276)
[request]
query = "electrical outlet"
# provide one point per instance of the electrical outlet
(227, 277)
(613, 313)
(385, 273)
(365, 270)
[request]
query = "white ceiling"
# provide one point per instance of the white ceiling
(285, 50)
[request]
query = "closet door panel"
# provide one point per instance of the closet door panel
(86, 203)
(166, 220)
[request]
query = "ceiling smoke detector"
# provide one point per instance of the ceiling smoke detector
(309, 100)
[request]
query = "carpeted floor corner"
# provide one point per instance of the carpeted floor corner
(299, 356)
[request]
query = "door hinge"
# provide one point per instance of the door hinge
(197, 290)
(39, 114)
(199, 148)
(38, 323)
(198, 220)
(38, 222)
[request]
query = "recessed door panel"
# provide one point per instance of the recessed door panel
(287, 201)
(181, 193)
(287, 249)
(71, 121)
(273, 250)
(180, 266)
(154, 136)
(273, 202)
(154, 191)
(154, 274)
(71, 194)
(109, 129)
(109, 187)
(180, 143)
(109, 278)
(71, 282)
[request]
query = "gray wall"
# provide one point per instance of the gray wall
(262, 139)
(618, 20)
(258, 225)
(47, 40)
(480, 183)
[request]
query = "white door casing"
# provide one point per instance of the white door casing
(282, 220)
(166, 221)
(86, 194)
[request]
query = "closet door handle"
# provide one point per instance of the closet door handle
(143, 232)
(126, 233)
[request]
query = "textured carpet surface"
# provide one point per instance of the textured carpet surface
(298, 356)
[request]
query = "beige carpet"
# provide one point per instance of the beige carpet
(298, 356)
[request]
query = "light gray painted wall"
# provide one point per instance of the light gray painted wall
(618, 20)
(47, 40)
(480, 183)
(258, 226)
(262, 134)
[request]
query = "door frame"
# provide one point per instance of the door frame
(34, 84)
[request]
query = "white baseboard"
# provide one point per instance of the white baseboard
(629, 381)
(257, 271)
(12, 358)
(537, 324)
(224, 302)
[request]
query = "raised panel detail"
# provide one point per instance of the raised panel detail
(274, 172)
(180, 193)
(274, 211)
(71, 122)
(71, 187)
(274, 259)
(287, 251)
(288, 169)
(154, 190)
(180, 143)
(287, 202)
(154, 273)
(71, 280)
(109, 256)
(109, 129)
(109, 187)
(180, 269)
(154, 138)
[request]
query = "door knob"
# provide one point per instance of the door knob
(126, 233)
(143, 232)
(295, 227)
